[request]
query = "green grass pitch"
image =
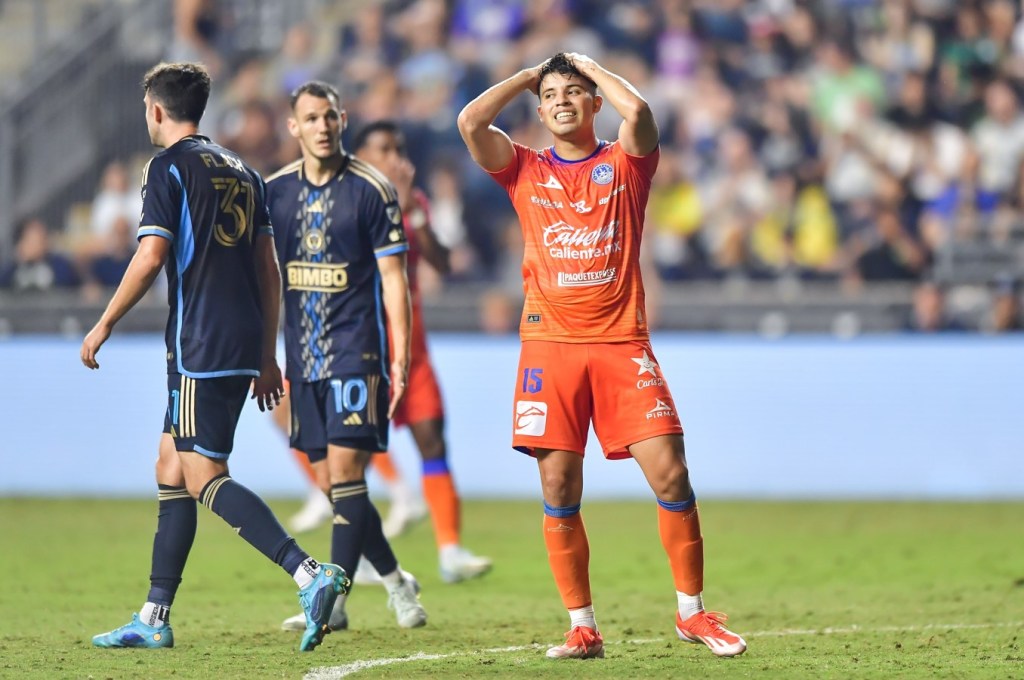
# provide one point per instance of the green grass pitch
(819, 590)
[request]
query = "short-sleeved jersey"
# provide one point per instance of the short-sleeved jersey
(328, 240)
(582, 223)
(211, 206)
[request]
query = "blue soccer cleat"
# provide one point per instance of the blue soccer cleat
(317, 600)
(136, 634)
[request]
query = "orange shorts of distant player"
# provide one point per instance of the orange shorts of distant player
(422, 394)
(561, 387)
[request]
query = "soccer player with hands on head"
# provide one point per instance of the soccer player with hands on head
(586, 354)
(205, 215)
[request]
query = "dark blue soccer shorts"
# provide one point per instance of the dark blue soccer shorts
(202, 413)
(351, 411)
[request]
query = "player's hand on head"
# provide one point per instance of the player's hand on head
(92, 343)
(268, 388)
(399, 383)
(580, 61)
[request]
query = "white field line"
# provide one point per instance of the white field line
(337, 672)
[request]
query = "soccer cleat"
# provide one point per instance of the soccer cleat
(404, 512)
(317, 600)
(707, 627)
(316, 511)
(338, 620)
(136, 634)
(580, 643)
(459, 564)
(405, 601)
(366, 574)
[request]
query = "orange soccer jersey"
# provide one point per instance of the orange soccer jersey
(586, 356)
(582, 222)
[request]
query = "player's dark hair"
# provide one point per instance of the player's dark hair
(389, 127)
(562, 65)
(316, 88)
(181, 88)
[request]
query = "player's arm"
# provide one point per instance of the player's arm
(142, 270)
(490, 147)
(398, 306)
(638, 134)
(268, 388)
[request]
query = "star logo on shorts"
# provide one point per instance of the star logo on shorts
(646, 364)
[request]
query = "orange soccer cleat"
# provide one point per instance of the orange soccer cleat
(580, 643)
(707, 627)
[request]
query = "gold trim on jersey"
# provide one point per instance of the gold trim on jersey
(145, 172)
(294, 166)
(374, 176)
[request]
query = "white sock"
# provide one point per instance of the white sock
(306, 572)
(448, 552)
(392, 580)
(155, 615)
(689, 604)
(584, 616)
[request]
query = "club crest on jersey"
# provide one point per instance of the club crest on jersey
(602, 174)
(313, 241)
(394, 214)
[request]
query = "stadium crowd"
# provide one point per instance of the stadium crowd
(847, 140)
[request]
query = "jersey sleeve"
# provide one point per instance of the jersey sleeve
(644, 166)
(387, 233)
(508, 177)
(161, 200)
(261, 221)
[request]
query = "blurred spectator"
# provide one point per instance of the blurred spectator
(108, 268)
(891, 254)
(1005, 316)
(35, 266)
(118, 198)
(999, 141)
(929, 313)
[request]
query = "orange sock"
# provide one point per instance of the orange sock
(569, 556)
(303, 461)
(443, 500)
(680, 535)
(384, 466)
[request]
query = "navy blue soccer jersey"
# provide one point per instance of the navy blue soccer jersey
(211, 206)
(328, 239)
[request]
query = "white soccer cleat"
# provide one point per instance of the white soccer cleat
(366, 574)
(404, 600)
(338, 620)
(458, 564)
(403, 513)
(707, 627)
(316, 511)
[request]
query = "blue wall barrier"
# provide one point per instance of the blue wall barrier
(875, 417)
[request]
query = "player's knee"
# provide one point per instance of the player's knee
(433, 448)
(673, 484)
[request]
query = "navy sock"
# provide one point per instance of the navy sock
(175, 531)
(248, 515)
(375, 546)
(351, 505)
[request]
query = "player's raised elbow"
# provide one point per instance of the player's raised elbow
(637, 111)
(467, 123)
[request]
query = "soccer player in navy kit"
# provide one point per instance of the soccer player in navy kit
(342, 248)
(204, 214)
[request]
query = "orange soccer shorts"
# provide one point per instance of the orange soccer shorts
(561, 387)
(423, 394)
